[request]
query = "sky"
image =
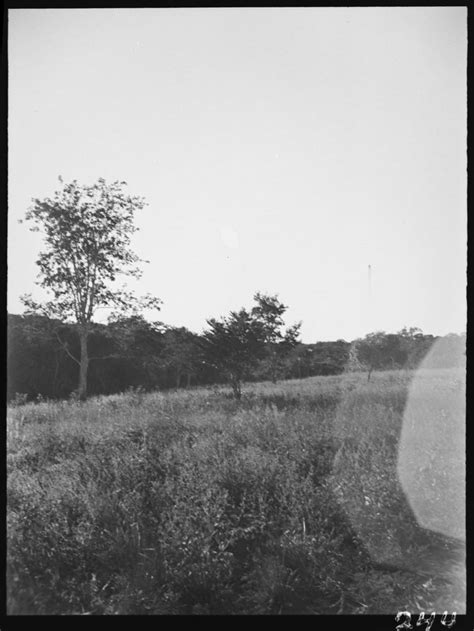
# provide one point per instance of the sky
(280, 150)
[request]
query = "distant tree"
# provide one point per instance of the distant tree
(181, 353)
(268, 312)
(371, 352)
(382, 351)
(87, 235)
(415, 345)
(325, 358)
(412, 332)
(395, 352)
(138, 345)
(235, 344)
(354, 364)
(36, 363)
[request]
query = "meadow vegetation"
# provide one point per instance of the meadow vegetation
(285, 502)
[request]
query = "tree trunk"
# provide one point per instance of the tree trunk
(84, 365)
(369, 373)
(55, 379)
(188, 382)
(274, 368)
(178, 379)
(236, 387)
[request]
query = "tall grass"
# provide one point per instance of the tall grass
(189, 502)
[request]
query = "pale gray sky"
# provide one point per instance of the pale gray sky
(280, 150)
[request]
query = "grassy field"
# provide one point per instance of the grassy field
(189, 502)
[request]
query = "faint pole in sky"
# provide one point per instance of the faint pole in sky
(369, 298)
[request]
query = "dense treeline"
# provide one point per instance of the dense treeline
(129, 353)
(134, 353)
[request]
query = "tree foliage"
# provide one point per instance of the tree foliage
(371, 351)
(132, 352)
(236, 343)
(380, 350)
(268, 312)
(87, 234)
(128, 353)
(182, 354)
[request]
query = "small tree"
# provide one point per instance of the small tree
(237, 343)
(268, 312)
(234, 345)
(87, 235)
(371, 352)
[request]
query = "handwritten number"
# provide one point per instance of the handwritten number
(451, 622)
(428, 621)
(406, 623)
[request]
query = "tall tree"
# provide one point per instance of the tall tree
(87, 232)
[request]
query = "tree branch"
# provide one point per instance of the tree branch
(64, 345)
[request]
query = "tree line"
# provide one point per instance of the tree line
(44, 353)
(57, 348)
(134, 353)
